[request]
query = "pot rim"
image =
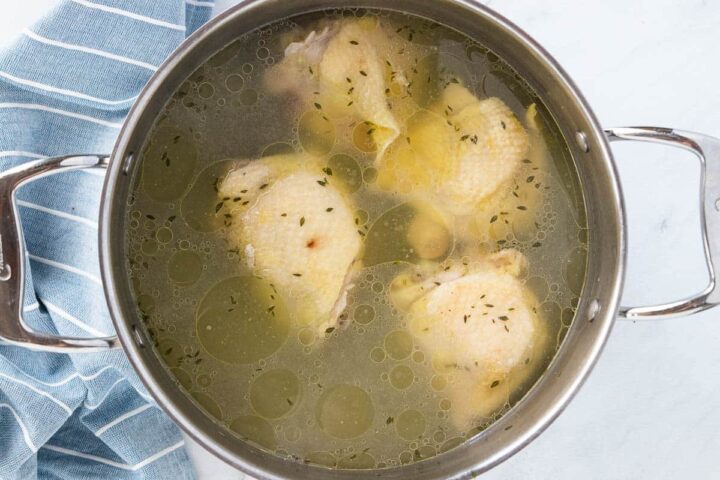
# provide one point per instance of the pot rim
(601, 313)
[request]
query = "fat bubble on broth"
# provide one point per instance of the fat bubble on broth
(356, 238)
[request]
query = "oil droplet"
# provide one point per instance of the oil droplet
(445, 404)
(418, 357)
(248, 97)
(410, 425)
(208, 404)
(206, 90)
(204, 380)
(236, 324)
(164, 235)
(364, 314)
(370, 175)
(401, 377)
(347, 170)
(452, 443)
(306, 336)
(293, 434)
(256, 430)
(345, 411)
(386, 240)
(275, 393)
(426, 451)
(234, 82)
(316, 133)
(398, 344)
(377, 354)
(363, 137)
(377, 287)
(185, 267)
(438, 382)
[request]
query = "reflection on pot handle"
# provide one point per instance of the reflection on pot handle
(707, 150)
(12, 259)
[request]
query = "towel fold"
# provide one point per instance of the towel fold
(66, 85)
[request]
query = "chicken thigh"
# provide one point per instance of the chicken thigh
(297, 230)
(479, 324)
(460, 152)
(341, 72)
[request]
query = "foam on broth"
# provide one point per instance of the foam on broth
(364, 395)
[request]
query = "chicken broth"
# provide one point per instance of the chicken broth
(356, 238)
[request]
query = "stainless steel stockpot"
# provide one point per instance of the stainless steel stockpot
(596, 311)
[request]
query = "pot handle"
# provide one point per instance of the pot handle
(12, 259)
(707, 149)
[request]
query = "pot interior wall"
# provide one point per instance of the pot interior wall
(605, 239)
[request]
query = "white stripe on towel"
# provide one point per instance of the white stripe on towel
(74, 320)
(23, 428)
(98, 172)
(58, 213)
(67, 268)
(62, 91)
(45, 108)
(93, 51)
(32, 307)
(69, 378)
(134, 16)
(39, 392)
(111, 463)
(199, 3)
(19, 153)
(107, 393)
(122, 418)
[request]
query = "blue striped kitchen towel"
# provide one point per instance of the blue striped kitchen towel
(65, 86)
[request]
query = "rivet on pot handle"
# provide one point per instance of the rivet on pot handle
(12, 259)
(707, 150)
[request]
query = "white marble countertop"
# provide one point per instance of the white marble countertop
(650, 408)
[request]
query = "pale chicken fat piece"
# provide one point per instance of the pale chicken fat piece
(301, 236)
(342, 64)
(460, 153)
(479, 324)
